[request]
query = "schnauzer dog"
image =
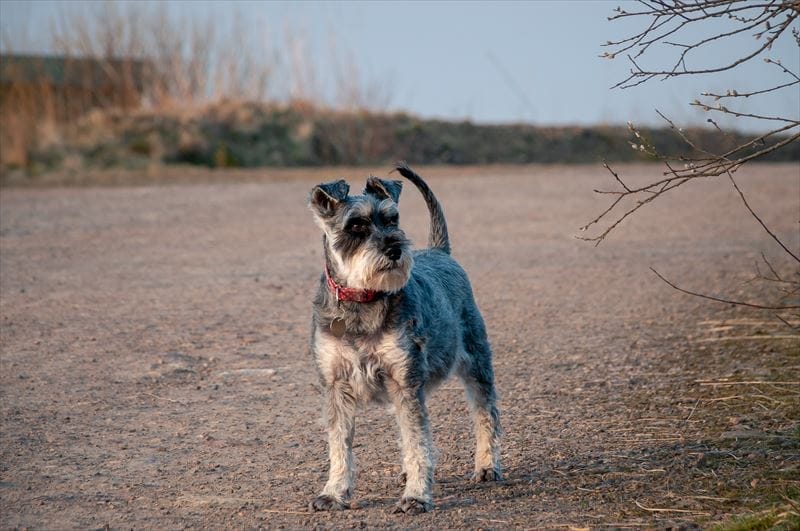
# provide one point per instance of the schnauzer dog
(389, 324)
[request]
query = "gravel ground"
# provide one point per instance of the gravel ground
(156, 373)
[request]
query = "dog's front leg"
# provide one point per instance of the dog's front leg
(340, 416)
(415, 437)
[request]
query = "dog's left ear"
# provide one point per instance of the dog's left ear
(383, 188)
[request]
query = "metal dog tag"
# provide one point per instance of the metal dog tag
(338, 327)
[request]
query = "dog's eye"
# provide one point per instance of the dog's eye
(358, 227)
(391, 220)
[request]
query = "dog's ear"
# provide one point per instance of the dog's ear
(383, 188)
(326, 197)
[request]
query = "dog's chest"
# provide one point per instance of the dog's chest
(363, 365)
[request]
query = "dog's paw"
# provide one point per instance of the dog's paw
(323, 502)
(412, 506)
(486, 474)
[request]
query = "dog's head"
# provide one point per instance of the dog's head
(362, 233)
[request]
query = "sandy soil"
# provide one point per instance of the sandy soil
(156, 374)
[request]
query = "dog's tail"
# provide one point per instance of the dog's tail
(438, 238)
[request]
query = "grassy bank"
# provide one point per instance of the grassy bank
(251, 135)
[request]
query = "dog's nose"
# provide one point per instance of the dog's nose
(393, 253)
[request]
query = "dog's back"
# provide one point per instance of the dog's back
(439, 298)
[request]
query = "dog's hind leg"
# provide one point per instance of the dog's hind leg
(415, 436)
(340, 417)
(478, 378)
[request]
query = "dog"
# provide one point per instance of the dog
(388, 325)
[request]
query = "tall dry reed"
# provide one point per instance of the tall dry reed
(146, 55)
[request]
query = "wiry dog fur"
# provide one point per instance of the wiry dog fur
(423, 327)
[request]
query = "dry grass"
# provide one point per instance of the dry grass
(147, 57)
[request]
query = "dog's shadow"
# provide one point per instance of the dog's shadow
(451, 492)
(455, 491)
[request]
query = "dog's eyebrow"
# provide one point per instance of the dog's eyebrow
(388, 208)
(360, 209)
(361, 213)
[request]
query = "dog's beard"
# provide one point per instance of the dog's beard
(370, 269)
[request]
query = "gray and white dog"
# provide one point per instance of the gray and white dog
(389, 324)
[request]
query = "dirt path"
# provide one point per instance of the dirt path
(155, 369)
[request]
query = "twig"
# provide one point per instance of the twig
(725, 110)
(787, 323)
(751, 382)
(625, 186)
(714, 498)
(693, 410)
(282, 511)
(727, 301)
(764, 225)
(163, 398)
(660, 510)
(775, 276)
(740, 338)
(734, 94)
(724, 398)
(765, 397)
(791, 502)
(742, 322)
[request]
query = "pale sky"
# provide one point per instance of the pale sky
(490, 62)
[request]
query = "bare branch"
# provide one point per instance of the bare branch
(727, 301)
(775, 276)
(761, 222)
(725, 110)
(669, 19)
(734, 94)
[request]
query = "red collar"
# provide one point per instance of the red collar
(350, 294)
